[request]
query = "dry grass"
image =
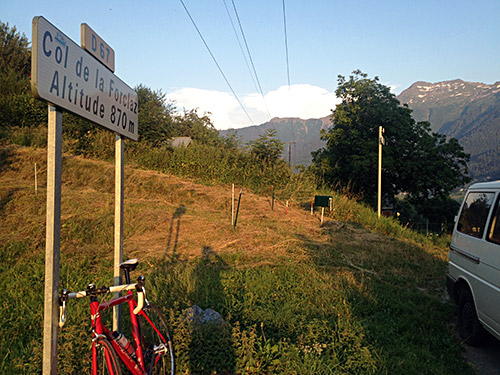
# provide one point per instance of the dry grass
(165, 216)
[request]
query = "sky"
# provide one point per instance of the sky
(157, 45)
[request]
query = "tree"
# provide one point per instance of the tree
(14, 51)
(415, 161)
(18, 107)
(198, 128)
(232, 140)
(155, 116)
(158, 120)
(267, 147)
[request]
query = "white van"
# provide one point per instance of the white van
(473, 279)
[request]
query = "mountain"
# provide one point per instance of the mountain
(305, 134)
(444, 102)
(467, 111)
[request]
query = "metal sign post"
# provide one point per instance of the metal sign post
(119, 194)
(53, 241)
(381, 141)
(79, 80)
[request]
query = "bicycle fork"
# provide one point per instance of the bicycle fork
(99, 332)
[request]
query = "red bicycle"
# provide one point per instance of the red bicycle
(150, 351)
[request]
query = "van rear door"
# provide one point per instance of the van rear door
(471, 256)
(490, 270)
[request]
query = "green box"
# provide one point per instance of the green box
(322, 200)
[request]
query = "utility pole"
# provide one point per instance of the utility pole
(289, 152)
(381, 142)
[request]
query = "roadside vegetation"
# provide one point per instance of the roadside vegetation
(357, 295)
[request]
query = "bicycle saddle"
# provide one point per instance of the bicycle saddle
(130, 264)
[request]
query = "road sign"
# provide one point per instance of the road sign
(322, 200)
(97, 47)
(67, 76)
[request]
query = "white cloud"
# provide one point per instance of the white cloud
(395, 88)
(304, 101)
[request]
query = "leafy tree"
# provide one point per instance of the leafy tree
(232, 140)
(200, 129)
(415, 161)
(18, 107)
(267, 147)
(155, 116)
(14, 51)
(435, 214)
(159, 122)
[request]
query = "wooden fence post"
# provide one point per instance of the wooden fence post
(238, 209)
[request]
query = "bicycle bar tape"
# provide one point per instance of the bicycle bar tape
(140, 302)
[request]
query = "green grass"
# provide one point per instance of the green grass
(358, 296)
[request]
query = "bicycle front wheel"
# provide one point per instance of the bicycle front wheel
(156, 342)
(106, 360)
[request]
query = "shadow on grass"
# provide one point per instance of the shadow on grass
(211, 348)
(6, 155)
(172, 248)
(398, 295)
(5, 199)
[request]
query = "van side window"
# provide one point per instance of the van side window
(494, 228)
(474, 213)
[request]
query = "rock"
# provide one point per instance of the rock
(209, 316)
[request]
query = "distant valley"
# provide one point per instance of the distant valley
(467, 111)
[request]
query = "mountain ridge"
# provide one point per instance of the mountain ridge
(468, 111)
(303, 134)
(443, 102)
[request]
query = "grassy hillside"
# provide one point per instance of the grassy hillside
(354, 296)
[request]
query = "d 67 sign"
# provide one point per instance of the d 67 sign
(67, 76)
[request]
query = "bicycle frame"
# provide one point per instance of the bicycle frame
(134, 360)
(136, 366)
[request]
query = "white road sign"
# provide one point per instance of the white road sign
(97, 47)
(67, 76)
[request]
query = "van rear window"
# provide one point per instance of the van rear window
(494, 228)
(474, 213)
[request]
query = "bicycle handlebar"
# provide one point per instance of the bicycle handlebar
(92, 291)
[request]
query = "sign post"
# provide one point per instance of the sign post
(119, 195)
(53, 241)
(381, 141)
(79, 80)
(98, 48)
(321, 201)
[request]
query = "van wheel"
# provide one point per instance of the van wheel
(469, 327)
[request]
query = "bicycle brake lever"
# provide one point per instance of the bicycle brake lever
(140, 288)
(145, 298)
(62, 314)
(62, 307)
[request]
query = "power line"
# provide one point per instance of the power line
(286, 46)
(287, 67)
(241, 47)
(215, 61)
(250, 57)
